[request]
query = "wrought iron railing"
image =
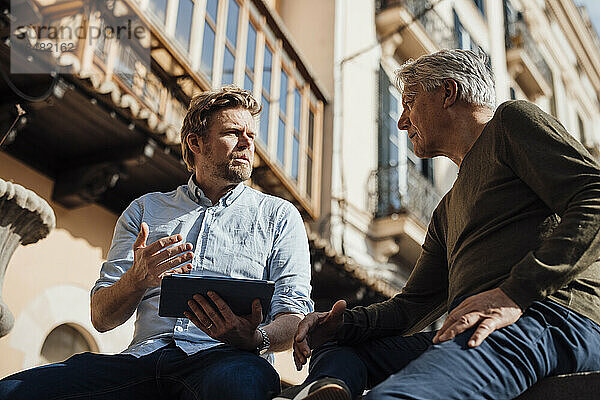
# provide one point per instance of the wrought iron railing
(392, 193)
(517, 36)
(424, 12)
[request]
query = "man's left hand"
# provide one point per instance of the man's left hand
(223, 325)
(489, 310)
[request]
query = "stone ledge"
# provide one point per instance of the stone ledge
(580, 386)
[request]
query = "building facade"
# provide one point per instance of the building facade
(105, 130)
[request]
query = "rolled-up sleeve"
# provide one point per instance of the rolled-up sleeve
(289, 264)
(120, 255)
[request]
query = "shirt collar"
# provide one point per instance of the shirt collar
(198, 195)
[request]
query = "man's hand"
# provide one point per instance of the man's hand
(315, 329)
(223, 325)
(151, 262)
(489, 310)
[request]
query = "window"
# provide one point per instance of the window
(152, 91)
(266, 95)
(63, 342)
(465, 41)
(296, 135)
(125, 68)
(159, 8)
(388, 173)
(102, 45)
(393, 134)
(250, 56)
(283, 90)
(395, 152)
(233, 13)
(462, 35)
(208, 39)
(480, 6)
(309, 151)
(183, 27)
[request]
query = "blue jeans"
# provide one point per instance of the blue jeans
(168, 373)
(547, 340)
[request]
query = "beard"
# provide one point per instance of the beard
(234, 173)
(228, 170)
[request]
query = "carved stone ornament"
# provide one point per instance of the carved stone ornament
(25, 218)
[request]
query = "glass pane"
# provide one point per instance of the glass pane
(281, 141)
(283, 93)
(297, 106)
(309, 176)
(295, 155)
(393, 132)
(264, 121)
(125, 68)
(211, 9)
(311, 128)
(267, 70)
(183, 28)
(159, 8)
(232, 21)
(248, 84)
(208, 48)
(393, 105)
(99, 49)
(251, 48)
(228, 65)
(393, 153)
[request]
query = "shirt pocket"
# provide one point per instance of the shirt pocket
(161, 229)
(240, 251)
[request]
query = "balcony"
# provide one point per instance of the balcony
(423, 30)
(525, 62)
(129, 97)
(402, 204)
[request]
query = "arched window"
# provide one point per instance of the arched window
(64, 341)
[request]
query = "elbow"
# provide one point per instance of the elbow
(96, 322)
(98, 326)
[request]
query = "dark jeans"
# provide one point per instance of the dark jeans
(547, 340)
(167, 373)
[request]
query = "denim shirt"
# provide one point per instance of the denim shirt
(247, 234)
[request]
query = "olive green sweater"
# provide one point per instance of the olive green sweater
(523, 215)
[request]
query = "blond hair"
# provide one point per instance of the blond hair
(203, 106)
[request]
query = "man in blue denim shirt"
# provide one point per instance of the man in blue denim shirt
(213, 226)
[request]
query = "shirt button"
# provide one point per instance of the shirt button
(178, 329)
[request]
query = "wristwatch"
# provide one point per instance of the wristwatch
(263, 347)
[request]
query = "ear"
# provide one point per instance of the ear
(450, 92)
(194, 143)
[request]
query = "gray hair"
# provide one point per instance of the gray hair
(474, 78)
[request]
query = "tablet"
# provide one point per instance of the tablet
(176, 290)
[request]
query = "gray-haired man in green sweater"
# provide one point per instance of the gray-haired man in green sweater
(511, 253)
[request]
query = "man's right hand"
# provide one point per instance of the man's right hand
(315, 329)
(150, 262)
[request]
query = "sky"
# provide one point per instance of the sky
(593, 8)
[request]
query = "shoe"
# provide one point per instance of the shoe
(322, 389)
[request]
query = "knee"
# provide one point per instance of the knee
(11, 389)
(332, 355)
(253, 378)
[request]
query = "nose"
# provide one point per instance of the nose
(404, 121)
(245, 140)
